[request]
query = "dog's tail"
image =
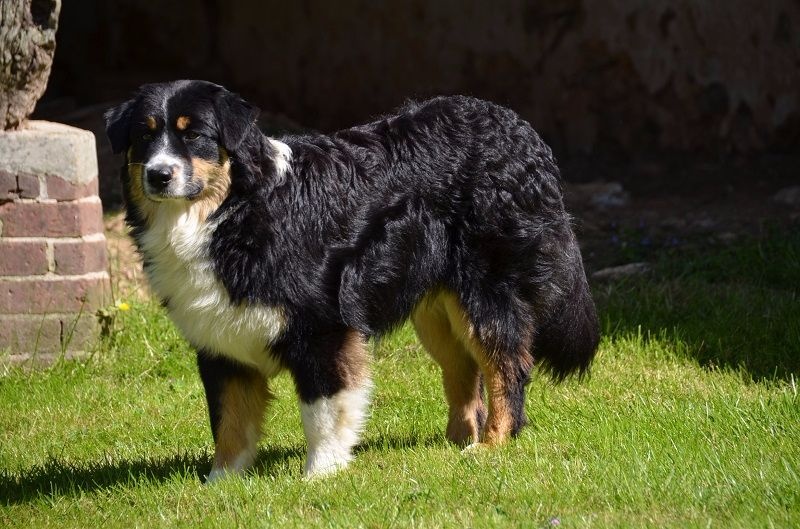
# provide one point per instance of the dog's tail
(566, 342)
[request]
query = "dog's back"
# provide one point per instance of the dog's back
(461, 195)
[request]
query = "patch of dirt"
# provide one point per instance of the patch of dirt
(673, 203)
(127, 277)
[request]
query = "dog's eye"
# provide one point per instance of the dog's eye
(147, 137)
(191, 135)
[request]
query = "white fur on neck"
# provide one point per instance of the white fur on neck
(283, 156)
(181, 270)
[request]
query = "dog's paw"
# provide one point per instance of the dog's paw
(218, 474)
(320, 465)
(236, 467)
(475, 448)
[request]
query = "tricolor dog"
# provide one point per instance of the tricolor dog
(289, 253)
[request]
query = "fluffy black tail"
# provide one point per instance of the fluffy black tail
(567, 343)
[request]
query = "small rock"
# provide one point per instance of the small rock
(618, 272)
(727, 237)
(704, 223)
(788, 195)
(599, 194)
(673, 223)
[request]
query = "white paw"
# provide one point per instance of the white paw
(474, 448)
(218, 474)
(324, 464)
(235, 468)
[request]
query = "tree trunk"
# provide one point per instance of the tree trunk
(27, 45)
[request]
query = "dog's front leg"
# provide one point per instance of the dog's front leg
(237, 396)
(334, 387)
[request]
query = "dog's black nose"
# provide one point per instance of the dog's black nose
(159, 176)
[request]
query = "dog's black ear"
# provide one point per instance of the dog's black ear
(118, 125)
(236, 117)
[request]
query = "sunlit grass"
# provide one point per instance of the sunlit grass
(690, 418)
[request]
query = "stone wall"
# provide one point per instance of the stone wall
(53, 264)
(616, 75)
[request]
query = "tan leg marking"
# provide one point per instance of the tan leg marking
(242, 404)
(499, 422)
(354, 364)
(460, 374)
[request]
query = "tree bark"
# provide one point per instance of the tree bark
(27, 45)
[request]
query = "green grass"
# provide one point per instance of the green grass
(690, 418)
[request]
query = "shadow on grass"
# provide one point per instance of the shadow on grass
(735, 307)
(57, 478)
(412, 440)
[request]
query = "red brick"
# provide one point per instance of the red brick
(41, 295)
(79, 257)
(60, 189)
(28, 185)
(13, 186)
(22, 258)
(43, 337)
(79, 330)
(8, 186)
(30, 334)
(51, 219)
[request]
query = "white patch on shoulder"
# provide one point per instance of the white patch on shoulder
(283, 156)
(181, 271)
(332, 426)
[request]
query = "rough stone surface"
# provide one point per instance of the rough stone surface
(51, 219)
(53, 260)
(590, 75)
(41, 295)
(44, 338)
(27, 44)
(49, 149)
(598, 194)
(23, 257)
(789, 196)
(618, 272)
(80, 256)
(59, 189)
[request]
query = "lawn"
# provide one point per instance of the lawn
(690, 418)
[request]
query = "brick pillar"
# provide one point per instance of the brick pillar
(53, 263)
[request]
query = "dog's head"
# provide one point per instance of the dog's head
(179, 137)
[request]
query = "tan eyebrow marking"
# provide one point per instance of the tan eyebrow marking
(151, 123)
(183, 122)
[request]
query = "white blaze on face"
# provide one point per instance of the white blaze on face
(161, 159)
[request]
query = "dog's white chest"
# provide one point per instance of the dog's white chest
(181, 272)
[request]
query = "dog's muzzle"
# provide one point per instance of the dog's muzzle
(160, 176)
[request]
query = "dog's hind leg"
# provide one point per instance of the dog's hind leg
(460, 372)
(334, 397)
(505, 387)
(505, 368)
(237, 396)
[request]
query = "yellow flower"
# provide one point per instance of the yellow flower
(123, 306)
